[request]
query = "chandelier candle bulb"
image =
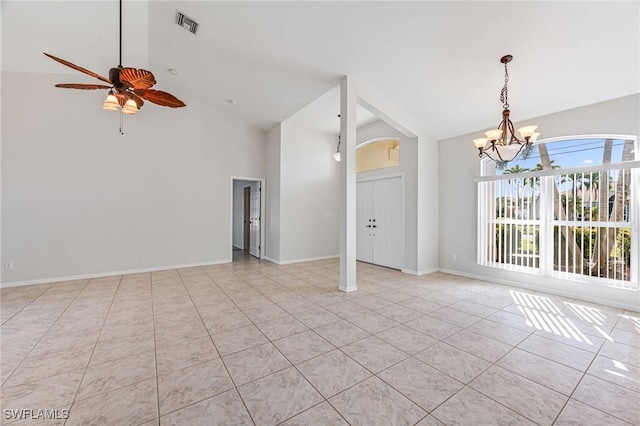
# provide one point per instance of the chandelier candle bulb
(493, 135)
(527, 131)
(480, 142)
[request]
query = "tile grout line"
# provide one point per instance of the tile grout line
(94, 348)
(580, 381)
(43, 335)
(288, 360)
(155, 344)
(375, 374)
(30, 302)
(297, 370)
(211, 337)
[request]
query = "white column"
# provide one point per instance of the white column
(427, 204)
(347, 186)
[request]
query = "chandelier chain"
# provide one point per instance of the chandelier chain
(504, 93)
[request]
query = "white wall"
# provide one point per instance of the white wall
(272, 194)
(457, 196)
(309, 190)
(409, 168)
(79, 198)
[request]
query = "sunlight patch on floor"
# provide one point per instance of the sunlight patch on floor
(540, 312)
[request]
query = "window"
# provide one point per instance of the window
(378, 154)
(569, 211)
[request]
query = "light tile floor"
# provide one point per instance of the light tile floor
(256, 343)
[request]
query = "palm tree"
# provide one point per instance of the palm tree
(573, 199)
(621, 194)
(605, 238)
(558, 209)
(515, 170)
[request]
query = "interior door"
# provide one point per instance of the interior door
(246, 225)
(255, 222)
(364, 221)
(387, 224)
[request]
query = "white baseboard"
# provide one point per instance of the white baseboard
(572, 295)
(421, 272)
(109, 274)
(308, 259)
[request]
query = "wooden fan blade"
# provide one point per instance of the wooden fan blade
(161, 98)
(137, 78)
(82, 86)
(138, 100)
(77, 68)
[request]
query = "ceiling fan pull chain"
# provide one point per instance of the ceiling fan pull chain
(121, 122)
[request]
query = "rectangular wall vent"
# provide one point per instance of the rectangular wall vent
(185, 22)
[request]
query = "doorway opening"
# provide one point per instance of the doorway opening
(247, 213)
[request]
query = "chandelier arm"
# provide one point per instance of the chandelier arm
(513, 133)
(500, 156)
(503, 126)
(488, 150)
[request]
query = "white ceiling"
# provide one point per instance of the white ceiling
(436, 61)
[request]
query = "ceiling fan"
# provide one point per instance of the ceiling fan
(128, 87)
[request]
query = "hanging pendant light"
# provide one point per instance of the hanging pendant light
(501, 144)
(336, 155)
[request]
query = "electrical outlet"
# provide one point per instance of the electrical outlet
(8, 265)
(454, 257)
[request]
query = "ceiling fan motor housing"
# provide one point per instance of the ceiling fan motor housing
(114, 76)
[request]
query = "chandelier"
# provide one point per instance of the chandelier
(501, 144)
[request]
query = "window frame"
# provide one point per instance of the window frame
(547, 221)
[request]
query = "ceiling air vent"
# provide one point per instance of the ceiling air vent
(185, 22)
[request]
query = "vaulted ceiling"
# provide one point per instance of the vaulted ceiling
(438, 62)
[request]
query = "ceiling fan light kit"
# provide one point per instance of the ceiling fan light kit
(128, 87)
(111, 102)
(501, 144)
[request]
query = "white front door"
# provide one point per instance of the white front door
(255, 220)
(379, 222)
(387, 222)
(364, 221)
